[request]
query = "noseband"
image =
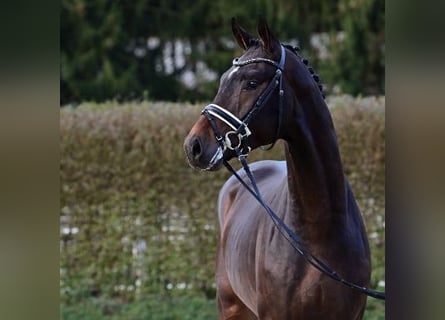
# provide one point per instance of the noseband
(236, 139)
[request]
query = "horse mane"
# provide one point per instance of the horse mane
(296, 50)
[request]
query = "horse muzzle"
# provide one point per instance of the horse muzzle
(203, 156)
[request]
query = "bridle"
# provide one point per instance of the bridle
(237, 137)
(240, 131)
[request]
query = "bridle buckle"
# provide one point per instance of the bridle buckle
(231, 135)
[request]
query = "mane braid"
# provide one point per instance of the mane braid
(316, 77)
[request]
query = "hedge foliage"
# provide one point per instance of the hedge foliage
(136, 221)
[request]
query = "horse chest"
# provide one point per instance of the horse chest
(252, 248)
(248, 237)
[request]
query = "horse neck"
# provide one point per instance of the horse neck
(315, 174)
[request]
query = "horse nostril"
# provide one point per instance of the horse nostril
(196, 148)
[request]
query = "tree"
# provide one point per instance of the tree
(129, 49)
(357, 65)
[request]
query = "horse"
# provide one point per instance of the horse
(258, 273)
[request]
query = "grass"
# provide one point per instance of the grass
(178, 308)
(153, 308)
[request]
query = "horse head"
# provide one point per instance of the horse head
(251, 94)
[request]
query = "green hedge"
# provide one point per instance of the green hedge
(136, 221)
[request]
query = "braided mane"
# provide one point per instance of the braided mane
(296, 50)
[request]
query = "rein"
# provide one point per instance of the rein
(236, 140)
(291, 237)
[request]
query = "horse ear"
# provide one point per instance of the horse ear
(271, 44)
(242, 36)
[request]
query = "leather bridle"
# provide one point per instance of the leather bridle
(237, 137)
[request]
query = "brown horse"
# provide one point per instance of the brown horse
(259, 275)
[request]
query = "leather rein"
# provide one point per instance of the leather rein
(236, 140)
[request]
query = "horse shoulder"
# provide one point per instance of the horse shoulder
(267, 173)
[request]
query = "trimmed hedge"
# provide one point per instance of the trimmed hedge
(137, 221)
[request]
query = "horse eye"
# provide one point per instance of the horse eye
(251, 85)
